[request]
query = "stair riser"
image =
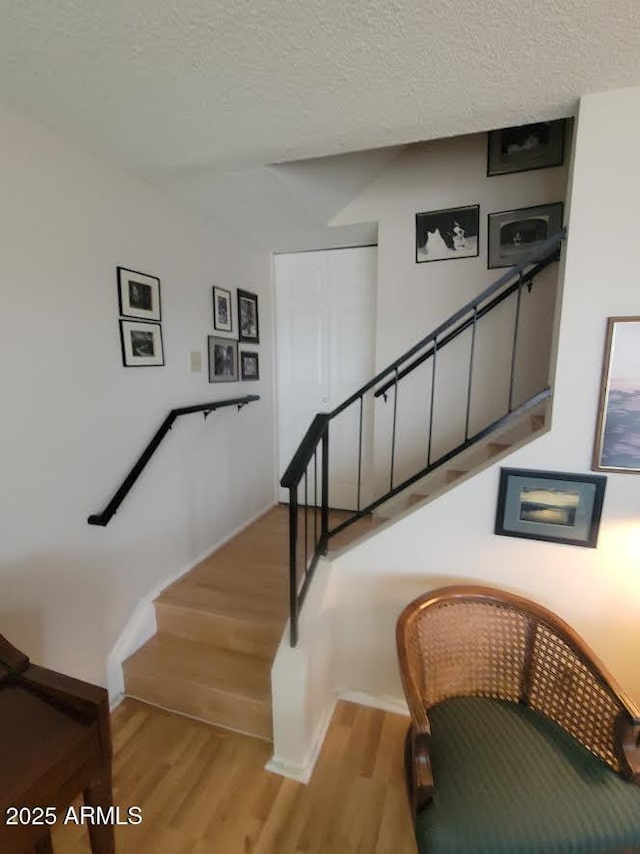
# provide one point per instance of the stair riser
(243, 714)
(256, 638)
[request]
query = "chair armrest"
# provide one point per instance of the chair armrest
(12, 661)
(89, 702)
(629, 741)
(422, 774)
(418, 769)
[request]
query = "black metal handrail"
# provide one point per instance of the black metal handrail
(304, 465)
(527, 279)
(109, 511)
(303, 455)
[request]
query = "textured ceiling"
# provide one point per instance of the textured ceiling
(177, 88)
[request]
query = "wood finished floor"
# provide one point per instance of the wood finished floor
(204, 790)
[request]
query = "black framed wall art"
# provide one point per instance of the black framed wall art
(447, 234)
(558, 507)
(520, 149)
(138, 295)
(249, 365)
(141, 344)
(248, 320)
(514, 234)
(222, 320)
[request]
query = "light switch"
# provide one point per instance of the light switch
(195, 361)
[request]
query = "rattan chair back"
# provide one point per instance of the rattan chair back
(477, 641)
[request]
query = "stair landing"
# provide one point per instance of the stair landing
(219, 627)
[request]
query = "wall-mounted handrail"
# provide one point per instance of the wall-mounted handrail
(109, 511)
(310, 463)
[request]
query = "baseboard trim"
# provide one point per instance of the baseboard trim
(115, 702)
(196, 718)
(302, 773)
(386, 704)
(141, 625)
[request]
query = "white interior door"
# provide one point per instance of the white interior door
(325, 304)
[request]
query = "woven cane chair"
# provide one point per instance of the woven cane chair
(520, 740)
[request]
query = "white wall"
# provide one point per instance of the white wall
(412, 298)
(74, 420)
(302, 683)
(451, 540)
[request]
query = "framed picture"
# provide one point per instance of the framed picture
(519, 149)
(248, 324)
(138, 295)
(223, 360)
(554, 506)
(515, 234)
(141, 344)
(221, 309)
(249, 366)
(617, 444)
(452, 233)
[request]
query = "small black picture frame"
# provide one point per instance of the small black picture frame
(557, 507)
(526, 147)
(514, 234)
(222, 320)
(223, 359)
(141, 344)
(249, 365)
(248, 320)
(448, 234)
(138, 295)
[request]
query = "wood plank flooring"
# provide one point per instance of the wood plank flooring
(219, 626)
(204, 790)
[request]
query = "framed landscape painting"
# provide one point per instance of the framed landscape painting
(138, 295)
(518, 149)
(141, 344)
(443, 235)
(557, 507)
(617, 444)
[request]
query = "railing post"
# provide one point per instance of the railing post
(515, 345)
(471, 354)
(393, 432)
(433, 390)
(324, 518)
(293, 565)
(359, 456)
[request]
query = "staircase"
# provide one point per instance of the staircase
(219, 626)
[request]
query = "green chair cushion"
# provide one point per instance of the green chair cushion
(507, 779)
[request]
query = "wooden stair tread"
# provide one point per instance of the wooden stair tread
(228, 603)
(171, 658)
(237, 576)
